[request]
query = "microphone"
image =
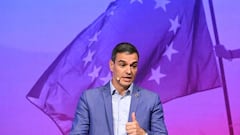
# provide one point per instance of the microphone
(118, 79)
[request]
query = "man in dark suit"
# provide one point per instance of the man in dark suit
(120, 107)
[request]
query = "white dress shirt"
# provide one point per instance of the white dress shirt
(121, 107)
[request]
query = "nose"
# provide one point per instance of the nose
(128, 70)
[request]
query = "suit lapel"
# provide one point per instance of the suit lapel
(134, 101)
(108, 106)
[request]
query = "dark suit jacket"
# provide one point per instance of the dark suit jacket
(94, 112)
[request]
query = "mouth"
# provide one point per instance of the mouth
(127, 79)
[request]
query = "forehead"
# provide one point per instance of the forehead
(125, 56)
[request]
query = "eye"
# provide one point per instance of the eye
(122, 64)
(134, 65)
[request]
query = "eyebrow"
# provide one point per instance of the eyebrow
(135, 62)
(122, 61)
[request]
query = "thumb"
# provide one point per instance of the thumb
(134, 117)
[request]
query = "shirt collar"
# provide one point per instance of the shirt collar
(113, 89)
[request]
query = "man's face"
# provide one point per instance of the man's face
(124, 69)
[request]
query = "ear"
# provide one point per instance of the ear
(111, 64)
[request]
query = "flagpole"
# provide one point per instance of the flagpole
(225, 91)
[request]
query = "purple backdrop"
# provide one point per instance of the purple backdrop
(32, 34)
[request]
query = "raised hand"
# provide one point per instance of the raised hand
(133, 127)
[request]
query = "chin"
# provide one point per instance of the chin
(126, 84)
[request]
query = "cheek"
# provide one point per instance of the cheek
(135, 72)
(120, 72)
(117, 70)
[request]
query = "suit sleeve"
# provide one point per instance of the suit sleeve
(158, 126)
(81, 120)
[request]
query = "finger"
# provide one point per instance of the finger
(133, 117)
(131, 125)
(131, 131)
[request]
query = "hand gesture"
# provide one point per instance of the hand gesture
(133, 128)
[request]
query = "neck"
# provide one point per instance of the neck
(121, 89)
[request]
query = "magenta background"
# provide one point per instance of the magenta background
(33, 33)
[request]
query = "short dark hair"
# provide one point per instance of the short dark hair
(124, 47)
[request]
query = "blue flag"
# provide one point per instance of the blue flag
(176, 55)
